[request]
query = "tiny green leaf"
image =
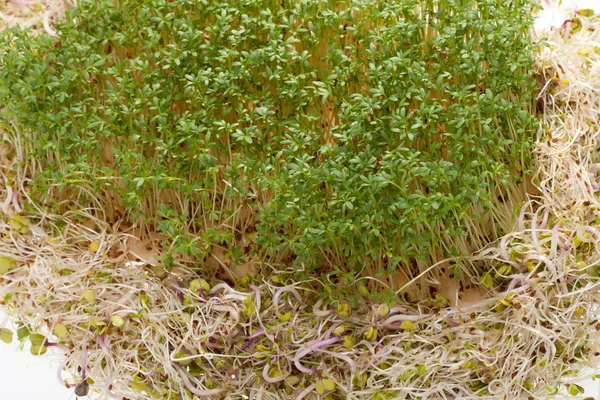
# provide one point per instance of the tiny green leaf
(19, 224)
(371, 333)
(37, 350)
(37, 339)
(22, 332)
(487, 281)
(94, 246)
(407, 326)
(6, 265)
(88, 296)
(575, 25)
(117, 321)
(575, 390)
(383, 310)
(363, 291)
(324, 385)
(328, 384)
(343, 310)
(198, 284)
(285, 317)
(61, 331)
(6, 335)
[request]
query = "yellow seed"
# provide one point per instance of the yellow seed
(94, 246)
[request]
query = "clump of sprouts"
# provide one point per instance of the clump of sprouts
(38, 15)
(140, 335)
(130, 329)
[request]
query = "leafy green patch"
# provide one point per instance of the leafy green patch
(345, 133)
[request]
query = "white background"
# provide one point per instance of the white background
(26, 377)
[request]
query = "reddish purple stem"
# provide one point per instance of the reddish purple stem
(251, 339)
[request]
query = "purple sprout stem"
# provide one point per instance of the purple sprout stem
(178, 293)
(251, 339)
(57, 345)
(314, 346)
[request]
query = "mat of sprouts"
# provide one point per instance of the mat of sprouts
(130, 330)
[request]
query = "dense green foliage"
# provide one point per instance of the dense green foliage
(339, 134)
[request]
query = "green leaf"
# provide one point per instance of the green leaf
(324, 385)
(37, 349)
(198, 284)
(94, 246)
(6, 335)
(575, 25)
(37, 339)
(487, 281)
(6, 265)
(88, 296)
(61, 331)
(406, 375)
(22, 332)
(329, 384)
(140, 387)
(285, 317)
(117, 320)
(407, 326)
(19, 224)
(575, 390)
(383, 310)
